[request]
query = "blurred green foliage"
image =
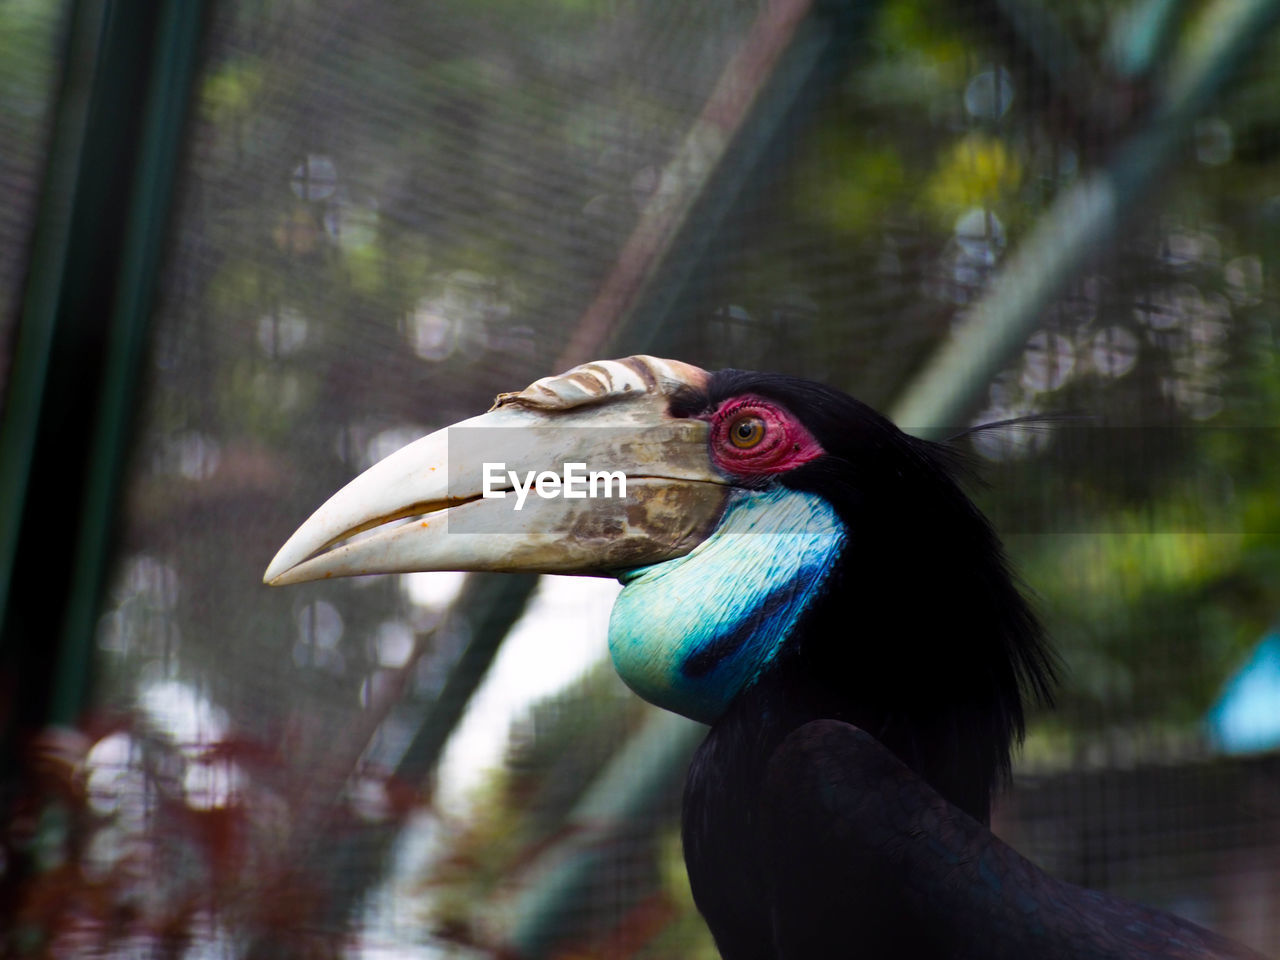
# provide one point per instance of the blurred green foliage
(29, 33)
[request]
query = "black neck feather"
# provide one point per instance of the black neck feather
(922, 637)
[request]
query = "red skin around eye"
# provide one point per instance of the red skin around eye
(786, 443)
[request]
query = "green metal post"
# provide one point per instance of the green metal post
(1081, 225)
(129, 69)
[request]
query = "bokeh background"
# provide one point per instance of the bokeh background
(248, 247)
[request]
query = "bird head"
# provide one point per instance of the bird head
(762, 525)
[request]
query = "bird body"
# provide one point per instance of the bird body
(814, 584)
(917, 877)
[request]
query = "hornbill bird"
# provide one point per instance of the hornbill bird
(813, 584)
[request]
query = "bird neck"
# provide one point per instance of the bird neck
(921, 639)
(692, 634)
(952, 746)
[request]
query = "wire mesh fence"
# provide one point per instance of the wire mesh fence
(388, 214)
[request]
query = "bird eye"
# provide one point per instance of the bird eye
(746, 432)
(752, 438)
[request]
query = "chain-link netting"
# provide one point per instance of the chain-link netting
(390, 213)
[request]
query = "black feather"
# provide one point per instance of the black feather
(839, 807)
(924, 637)
(867, 860)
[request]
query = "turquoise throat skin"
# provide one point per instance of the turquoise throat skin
(692, 633)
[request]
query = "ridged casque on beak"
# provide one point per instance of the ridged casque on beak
(452, 500)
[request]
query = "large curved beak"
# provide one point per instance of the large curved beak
(583, 473)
